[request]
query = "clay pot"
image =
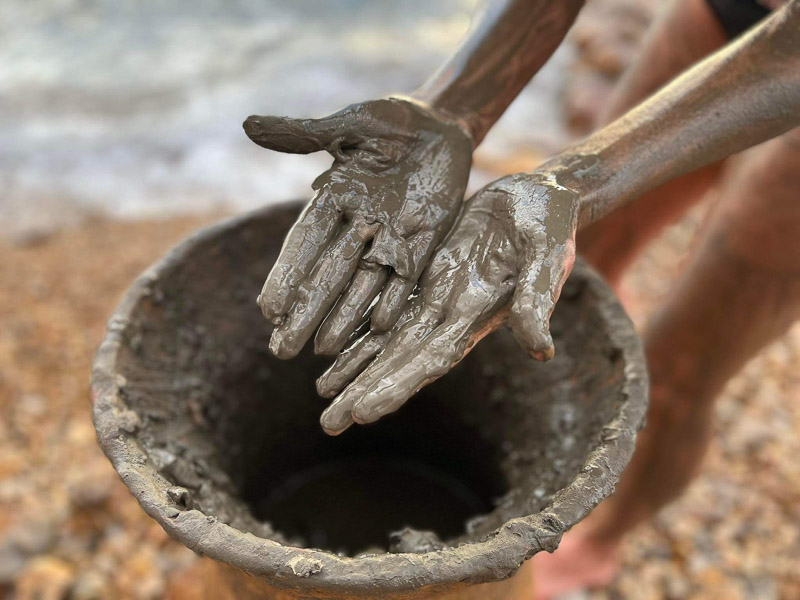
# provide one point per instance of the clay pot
(220, 442)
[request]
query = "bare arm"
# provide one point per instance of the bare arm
(507, 45)
(514, 244)
(398, 179)
(684, 32)
(740, 96)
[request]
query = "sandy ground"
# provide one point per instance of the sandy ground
(70, 529)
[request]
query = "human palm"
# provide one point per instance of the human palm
(506, 259)
(390, 197)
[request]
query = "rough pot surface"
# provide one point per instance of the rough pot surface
(220, 442)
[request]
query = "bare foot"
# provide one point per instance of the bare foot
(580, 563)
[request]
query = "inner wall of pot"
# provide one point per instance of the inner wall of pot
(239, 429)
(430, 467)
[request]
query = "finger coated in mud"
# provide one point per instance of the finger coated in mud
(411, 332)
(306, 241)
(349, 364)
(298, 136)
(406, 374)
(397, 291)
(318, 292)
(393, 300)
(351, 308)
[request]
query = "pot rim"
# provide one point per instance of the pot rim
(496, 557)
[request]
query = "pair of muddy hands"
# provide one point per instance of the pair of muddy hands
(373, 244)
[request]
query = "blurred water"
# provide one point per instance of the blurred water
(134, 107)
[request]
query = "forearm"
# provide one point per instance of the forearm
(508, 44)
(740, 96)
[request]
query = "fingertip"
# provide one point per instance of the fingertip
(321, 344)
(324, 387)
(331, 382)
(252, 125)
(537, 343)
(335, 419)
(334, 430)
(284, 345)
(268, 310)
(362, 413)
(546, 353)
(531, 331)
(370, 408)
(275, 300)
(269, 132)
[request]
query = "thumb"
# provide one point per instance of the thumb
(538, 288)
(296, 136)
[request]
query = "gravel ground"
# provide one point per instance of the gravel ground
(70, 529)
(735, 534)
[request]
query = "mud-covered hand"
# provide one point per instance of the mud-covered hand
(392, 194)
(506, 258)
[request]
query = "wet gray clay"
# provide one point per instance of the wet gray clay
(395, 187)
(220, 443)
(397, 181)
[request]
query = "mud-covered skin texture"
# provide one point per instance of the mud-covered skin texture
(511, 236)
(202, 422)
(513, 245)
(391, 195)
(399, 175)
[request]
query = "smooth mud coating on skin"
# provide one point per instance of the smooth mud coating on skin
(395, 187)
(235, 431)
(514, 242)
(508, 256)
(397, 182)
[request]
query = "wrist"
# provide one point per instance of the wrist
(541, 192)
(588, 177)
(468, 123)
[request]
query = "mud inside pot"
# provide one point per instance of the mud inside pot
(425, 468)
(235, 431)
